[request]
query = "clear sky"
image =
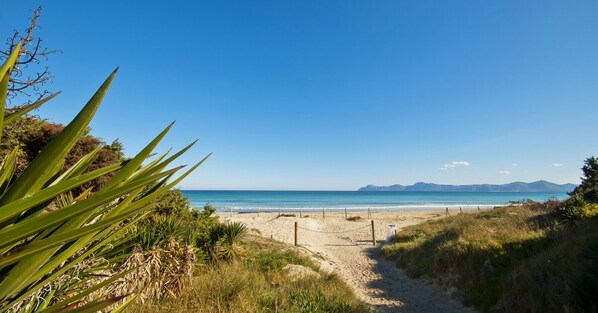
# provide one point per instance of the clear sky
(335, 95)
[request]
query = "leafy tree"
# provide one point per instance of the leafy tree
(588, 188)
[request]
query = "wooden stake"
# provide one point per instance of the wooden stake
(447, 212)
(295, 233)
(460, 210)
(345, 213)
(323, 214)
(369, 213)
(258, 212)
(231, 211)
(300, 212)
(278, 212)
(373, 234)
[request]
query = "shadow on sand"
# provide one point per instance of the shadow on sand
(412, 295)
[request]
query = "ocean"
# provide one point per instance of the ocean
(289, 201)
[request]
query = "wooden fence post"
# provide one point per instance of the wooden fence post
(258, 212)
(478, 207)
(369, 213)
(373, 234)
(447, 214)
(460, 210)
(345, 213)
(231, 211)
(300, 212)
(295, 233)
(278, 212)
(323, 214)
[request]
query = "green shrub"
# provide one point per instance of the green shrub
(576, 208)
(173, 217)
(174, 203)
(573, 208)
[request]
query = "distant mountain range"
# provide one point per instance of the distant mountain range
(538, 186)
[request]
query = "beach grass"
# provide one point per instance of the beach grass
(518, 258)
(257, 283)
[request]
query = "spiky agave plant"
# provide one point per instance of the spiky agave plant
(38, 245)
(229, 234)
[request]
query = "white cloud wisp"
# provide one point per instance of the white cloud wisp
(454, 164)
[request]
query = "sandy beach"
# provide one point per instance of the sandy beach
(345, 248)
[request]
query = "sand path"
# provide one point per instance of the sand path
(345, 248)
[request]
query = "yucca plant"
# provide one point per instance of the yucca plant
(38, 245)
(161, 229)
(227, 247)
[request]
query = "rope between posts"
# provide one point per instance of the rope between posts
(333, 232)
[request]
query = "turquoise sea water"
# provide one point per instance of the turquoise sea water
(250, 201)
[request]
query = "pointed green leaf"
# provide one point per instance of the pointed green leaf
(57, 240)
(179, 179)
(133, 164)
(43, 181)
(165, 163)
(91, 307)
(28, 108)
(56, 150)
(3, 95)
(74, 247)
(123, 306)
(10, 61)
(86, 292)
(150, 165)
(7, 170)
(15, 208)
(5, 70)
(78, 167)
(150, 196)
(125, 204)
(28, 227)
(50, 266)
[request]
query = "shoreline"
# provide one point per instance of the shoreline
(361, 209)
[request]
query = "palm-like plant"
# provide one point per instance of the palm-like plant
(37, 245)
(229, 235)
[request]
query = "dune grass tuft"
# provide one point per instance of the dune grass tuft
(257, 284)
(512, 259)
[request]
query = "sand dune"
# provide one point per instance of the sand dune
(345, 248)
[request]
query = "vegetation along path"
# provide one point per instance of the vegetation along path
(345, 248)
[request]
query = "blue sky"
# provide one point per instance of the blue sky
(335, 94)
